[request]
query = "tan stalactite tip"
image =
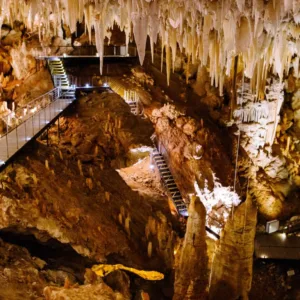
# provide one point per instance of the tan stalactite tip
(103, 270)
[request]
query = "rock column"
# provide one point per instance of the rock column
(191, 277)
(231, 273)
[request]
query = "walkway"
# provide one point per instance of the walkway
(171, 186)
(83, 52)
(34, 120)
(277, 246)
(169, 183)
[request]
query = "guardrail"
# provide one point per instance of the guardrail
(25, 122)
(109, 51)
(21, 114)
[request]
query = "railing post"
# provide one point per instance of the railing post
(25, 130)
(32, 126)
(7, 139)
(17, 136)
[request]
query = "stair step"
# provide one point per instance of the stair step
(161, 163)
(160, 160)
(171, 185)
(166, 173)
(183, 207)
(179, 201)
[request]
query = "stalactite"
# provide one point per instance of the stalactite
(264, 33)
(168, 63)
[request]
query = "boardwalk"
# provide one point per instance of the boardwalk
(277, 246)
(17, 137)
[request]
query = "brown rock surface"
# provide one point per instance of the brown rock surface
(181, 139)
(98, 291)
(191, 274)
(232, 264)
(95, 212)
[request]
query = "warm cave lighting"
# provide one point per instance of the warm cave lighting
(33, 110)
(283, 236)
(142, 149)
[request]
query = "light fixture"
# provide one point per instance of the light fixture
(105, 84)
(64, 55)
(87, 85)
(151, 167)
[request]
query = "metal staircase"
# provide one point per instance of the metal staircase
(133, 107)
(171, 186)
(169, 183)
(60, 77)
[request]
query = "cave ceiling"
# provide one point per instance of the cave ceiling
(265, 34)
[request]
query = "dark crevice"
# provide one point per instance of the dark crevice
(57, 255)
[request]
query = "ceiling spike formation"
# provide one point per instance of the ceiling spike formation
(265, 34)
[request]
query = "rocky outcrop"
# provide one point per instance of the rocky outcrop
(72, 193)
(98, 291)
(104, 129)
(231, 273)
(193, 148)
(191, 274)
(196, 155)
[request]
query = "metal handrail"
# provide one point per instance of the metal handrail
(89, 50)
(54, 94)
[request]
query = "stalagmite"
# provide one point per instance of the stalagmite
(231, 275)
(80, 167)
(191, 277)
(89, 183)
(91, 172)
(149, 249)
(60, 155)
(127, 225)
(107, 196)
(120, 218)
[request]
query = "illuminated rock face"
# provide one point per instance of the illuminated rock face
(231, 273)
(264, 34)
(191, 276)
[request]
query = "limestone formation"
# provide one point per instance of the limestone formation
(191, 273)
(231, 273)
